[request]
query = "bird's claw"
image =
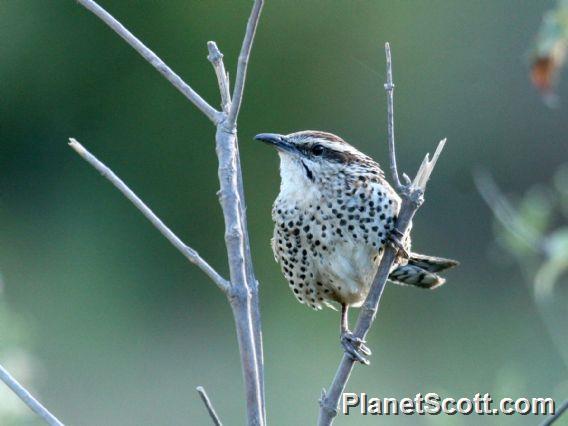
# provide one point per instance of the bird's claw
(355, 347)
(394, 239)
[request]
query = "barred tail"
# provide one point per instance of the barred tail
(420, 271)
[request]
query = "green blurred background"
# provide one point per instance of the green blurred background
(120, 328)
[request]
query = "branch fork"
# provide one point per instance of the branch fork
(241, 289)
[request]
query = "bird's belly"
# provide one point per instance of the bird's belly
(348, 271)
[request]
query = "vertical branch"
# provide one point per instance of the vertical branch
(28, 398)
(256, 320)
(389, 88)
(239, 295)
(412, 198)
(216, 58)
(231, 108)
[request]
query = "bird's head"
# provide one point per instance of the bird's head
(316, 156)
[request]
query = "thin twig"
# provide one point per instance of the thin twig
(216, 58)
(389, 88)
(244, 56)
(561, 410)
(209, 406)
(412, 199)
(187, 251)
(153, 59)
(28, 399)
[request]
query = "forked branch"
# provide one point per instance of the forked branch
(241, 289)
(216, 58)
(412, 194)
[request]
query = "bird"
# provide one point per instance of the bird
(333, 218)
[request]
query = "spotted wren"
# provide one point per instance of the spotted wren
(334, 215)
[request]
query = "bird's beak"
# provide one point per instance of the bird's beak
(279, 141)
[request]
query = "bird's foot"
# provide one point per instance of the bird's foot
(355, 347)
(394, 240)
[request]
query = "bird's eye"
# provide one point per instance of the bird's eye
(317, 150)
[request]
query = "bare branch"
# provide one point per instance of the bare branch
(389, 88)
(257, 330)
(412, 199)
(243, 62)
(561, 410)
(216, 58)
(209, 406)
(28, 399)
(245, 302)
(154, 60)
(187, 251)
(242, 289)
